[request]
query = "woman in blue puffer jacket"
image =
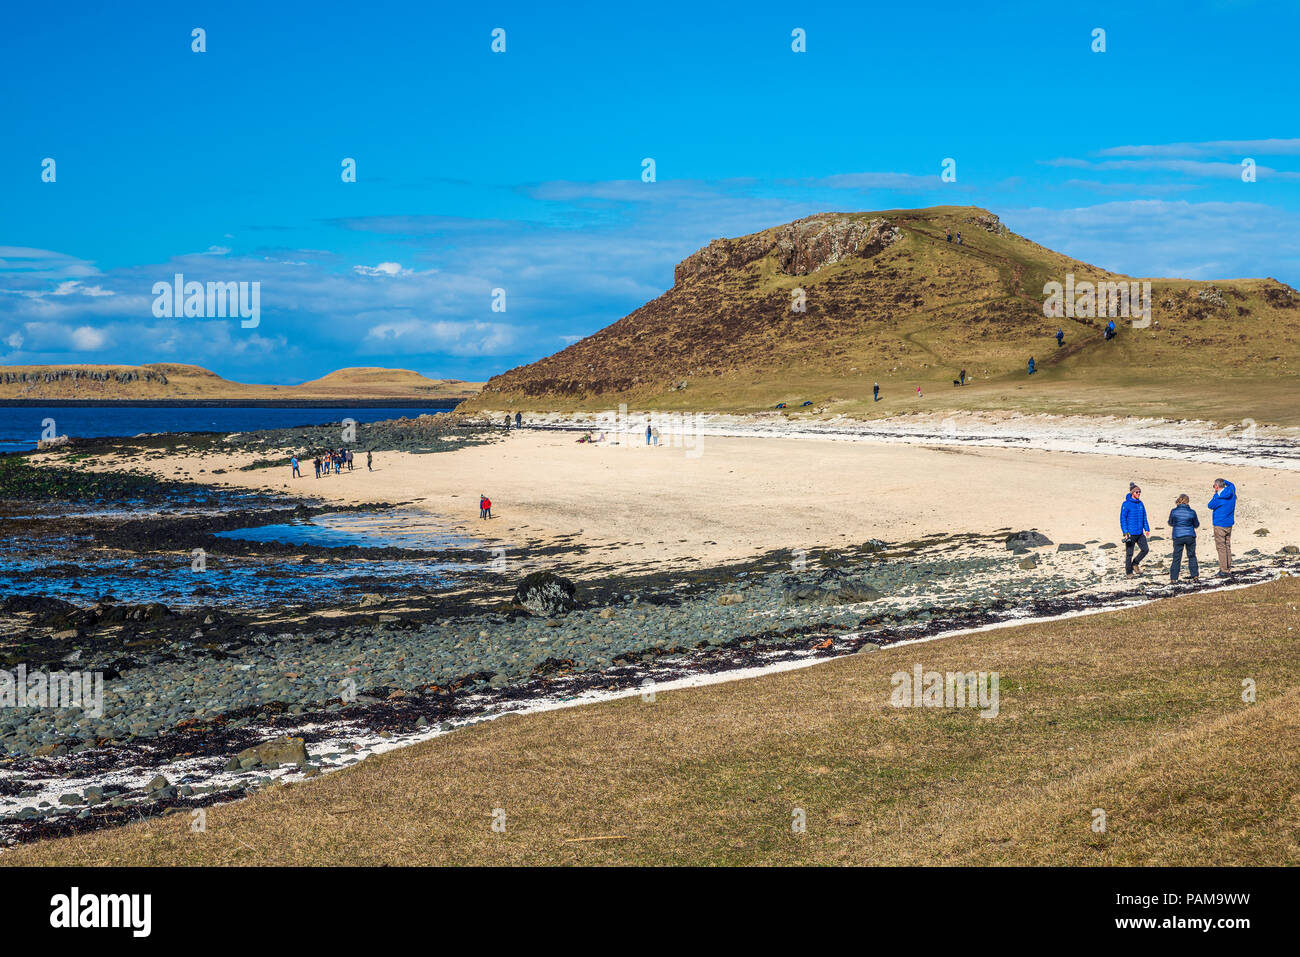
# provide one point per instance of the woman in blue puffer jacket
(1183, 524)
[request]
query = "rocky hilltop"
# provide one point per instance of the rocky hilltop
(821, 308)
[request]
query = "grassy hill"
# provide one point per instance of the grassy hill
(180, 382)
(889, 299)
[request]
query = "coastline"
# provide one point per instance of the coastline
(801, 558)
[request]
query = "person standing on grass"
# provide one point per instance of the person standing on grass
(1183, 524)
(1134, 527)
(875, 392)
(963, 377)
(294, 462)
(1223, 506)
(1031, 365)
(1060, 338)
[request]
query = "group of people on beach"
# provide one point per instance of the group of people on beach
(332, 461)
(1183, 523)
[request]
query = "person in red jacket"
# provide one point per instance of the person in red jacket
(484, 506)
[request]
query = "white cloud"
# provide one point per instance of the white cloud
(383, 269)
(457, 338)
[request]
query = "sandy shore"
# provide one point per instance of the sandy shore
(737, 497)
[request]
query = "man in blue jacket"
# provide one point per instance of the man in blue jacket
(1223, 506)
(1134, 527)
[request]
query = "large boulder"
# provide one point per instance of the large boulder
(1027, 539)
(832, 587)
(283, 750)
(546, 594)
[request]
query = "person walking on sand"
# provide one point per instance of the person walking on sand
(316, 462)
(648, 432)
(1134, 527)
(1223, 508)
(484, 506)
(350, 460)
(1183, 524)
(369, 462)
(294, 462)
(519, 420)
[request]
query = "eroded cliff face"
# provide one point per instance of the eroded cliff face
(801, 247)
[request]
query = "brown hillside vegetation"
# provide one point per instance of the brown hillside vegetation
(164, 381)
(890, 300)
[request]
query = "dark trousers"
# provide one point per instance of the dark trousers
(1179, 545)
(1130, 562)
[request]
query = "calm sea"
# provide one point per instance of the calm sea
(21, 427)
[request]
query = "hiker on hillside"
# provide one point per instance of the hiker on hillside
(294, 462)
(1134, 527)
(369, 462)
(1183, 524)
(1032, 367)
(949, 235)
(875, 392)
(484, 506)
(1223, 506)
(1060, 338)
(959, 239)
(1110, 330)
(962, 377)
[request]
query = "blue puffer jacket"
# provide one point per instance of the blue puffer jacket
(1133, 517)
(1183, 522)
(1224, 506)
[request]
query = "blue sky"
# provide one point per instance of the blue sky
(522, 170)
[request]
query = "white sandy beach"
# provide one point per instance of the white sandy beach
(735, 497)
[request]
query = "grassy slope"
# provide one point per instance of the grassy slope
(1136, 712)
(915, 314)
(194, 382)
